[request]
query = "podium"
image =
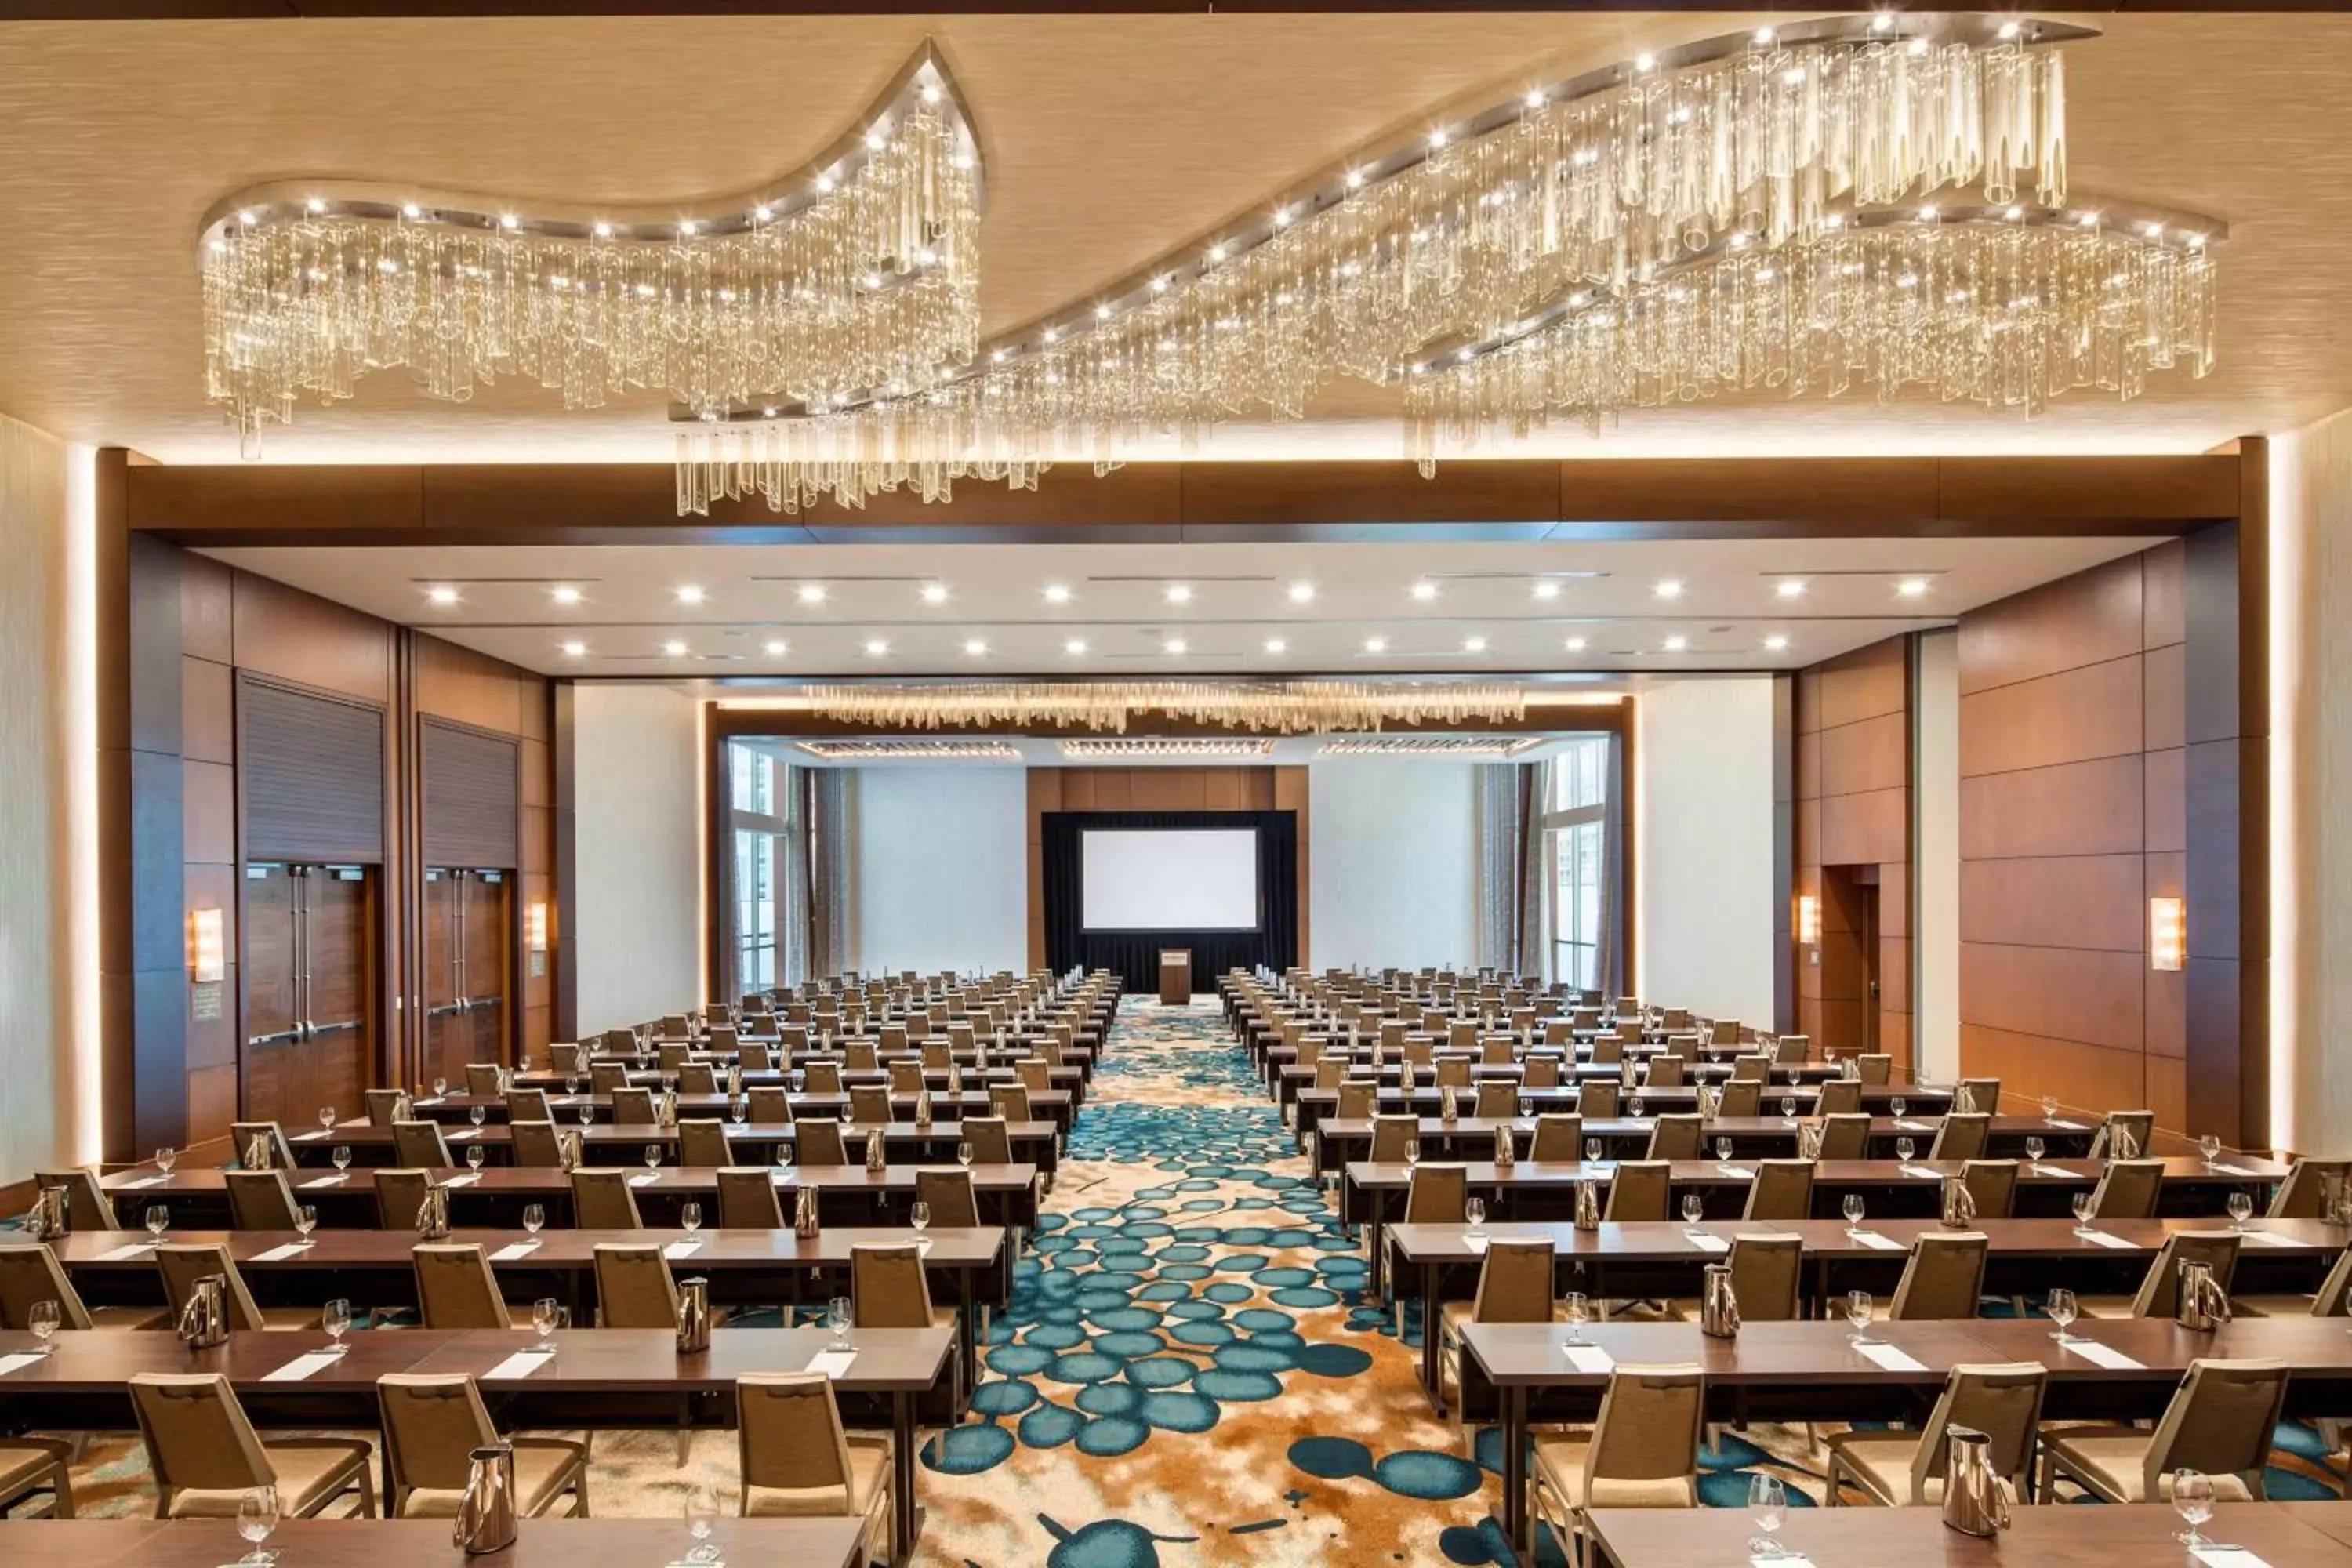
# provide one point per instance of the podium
(1175, 975)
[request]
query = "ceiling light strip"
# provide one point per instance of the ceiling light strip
(1496, 747)
(912, 750)
(1104, 750)
(1285, 707)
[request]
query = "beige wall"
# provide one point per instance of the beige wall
(2311, 788)
(49, 960)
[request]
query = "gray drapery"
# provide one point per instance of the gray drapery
(1510, 865)
(1609, 954)
(1535, 794)
(829, 866)
(793, 920)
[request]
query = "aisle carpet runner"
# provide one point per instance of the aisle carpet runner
(1187, 1373)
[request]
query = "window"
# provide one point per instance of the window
(1576, 847)
(759, 790)
(755, 909)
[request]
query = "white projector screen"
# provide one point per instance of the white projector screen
(1170, 878)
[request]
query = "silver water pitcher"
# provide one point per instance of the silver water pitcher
(486, 1512)
(693, 1316)
(1964, 1101)
(955, 1080)
(1625, 1075)
(735, 1081)
(1850, 1070)
(48, 1217)
(1718, 1303)
(1448, 1111)
(2200, 1303)
(568, 1149)
(665, 1114)
(1507, 1152)
(805, 1212)
(923, 1109)
(1809, 1140)
(877, 1157)
(433, 1214)
(1587, 1205)
(1709, 1098)
(257, 1152)
(1974, 1503)
(204, 1320)
(1959, 1210)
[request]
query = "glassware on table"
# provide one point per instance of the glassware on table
(545, 1314)
(2241, 1208)
(1768, 1501)
(587, 1116)
(158, 1220)
(571, 1086)
(689, 1216)
(44, 1318)
(256, 1516)
(2192, 1500)
(838, 1317)
(2062, 1308)
(440, 1088)
(477, 1113)
(1474, 1212)
(701, 1518)
(1411, 1152)
(336, 1319)
(2035, 1147)
(1723, 1147)
(2210, 1147)
(534, 1217)
(1853, 1208)
(1592, 1151)
(1573, 1308)
(963, 1155)
(166, 1158)
(342, 1157)
(741, 1109)
(1694, 1208)
(1787, 1107)
(2050, 1108)
(653, 1156)
(326, 1119)
(1858, 1310)
(1637, 1107)
(920, 1216)
(2083, 1213)
(1898, 1105)
(1905, 1147)
(305, 1220)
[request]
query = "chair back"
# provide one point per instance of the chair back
(1845, 1136)
(1035, 1074)
(949, 1193)
(2303, 1195)
(887, 1287)
(535, 1144)
(563, 1058)
(1753, 1068)
(33, 1274)
(1767, 1269)
(1496, 1052)
(2334, 1289)
(1665, 1072)
(1454, 1073)
(608, 1078)
(384, 1106)
(1596, 1099)
(703, 1142)
(1498, 1100)
(1838, 1097)
(1540, 1072)
(455, 1287)
(1742, 1097)
(1962, 1136)
(1558, 1137)
(484, 1081)
(1647, 1432)
(1515, 1282)
(259, 1200)
(1391, 1135)
(2138, 1124)
(1640, 1191)
(399, 1194)
(771, 1106)
(1675, 1137)
(698, 1077)
(816, 1141)
(792, 1453)
(748, 1200)
(821, 1077)
(1991, 1186)
(633, 1108)
(1783, 1189)
(859, 1055)
(433, 1422)
(992, 1143)
(2221, 1422)
(755, 1058)
(906, 1077)
(182, 1264)
(2159, 1292)
(634, 1288)
(1875, 1067)
(1792, 1050)
(2127, 1190)
(602, 1199)
(1009, 1101)
(420, 1143)
(1943, 1277)
(2000, 1399)
(198, 1438)
(527, 1105)
(1437, 1195)
(1984, 1093)
(1330, 1073)
(282, 1153)
(1358, 1102)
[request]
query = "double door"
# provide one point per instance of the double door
(307, 977)
(468, 969)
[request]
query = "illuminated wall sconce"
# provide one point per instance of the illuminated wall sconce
(534, 928)
(1809, 920)
(208, 947)
(2168, 932)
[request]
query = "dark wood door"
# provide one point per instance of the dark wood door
(1866, 931)
(467, 956)
(447, 1030)
(483, 895)
(308, 967)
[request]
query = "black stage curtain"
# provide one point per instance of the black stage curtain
(1134, 955)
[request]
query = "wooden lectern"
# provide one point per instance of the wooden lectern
(1175, 975)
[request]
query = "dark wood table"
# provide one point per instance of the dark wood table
(1627, 1135)
(2284, 1535)
(602, 1143)
(407, 1543)
(455, 1103)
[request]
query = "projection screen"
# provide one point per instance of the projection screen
(1188, 880)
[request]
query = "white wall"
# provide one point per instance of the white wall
(638, 821)
(942, 858)
(1704, 899)
(1391, 861)
(1936, 856)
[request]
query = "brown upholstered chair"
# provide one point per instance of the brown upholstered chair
(455, 1287)
(182, 1264)
(259, 1200)
(205, 1455)
(748, 1199)
(1639, 1189)
(1942, 1278)
(2221, 1422)
(1643, 1452)
(797, 1461)
(602, 1200)
(1905, 1470)
(33, 1274)
(432, 1424)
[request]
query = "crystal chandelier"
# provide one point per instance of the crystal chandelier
(859, 271)
(1289, 708)
(1604, 187)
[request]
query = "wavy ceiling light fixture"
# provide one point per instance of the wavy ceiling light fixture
(1586, 196)
(860, 270)
(1284, 707)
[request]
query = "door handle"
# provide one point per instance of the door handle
(278, 1037)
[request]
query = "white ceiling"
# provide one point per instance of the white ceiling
(1118, 606)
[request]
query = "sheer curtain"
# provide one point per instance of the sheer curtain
(1510, 865)
(828, 871)
(793, 929)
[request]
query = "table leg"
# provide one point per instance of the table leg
(902, 1475)
(1515, 1470)
(971, 1335)
(1430, 1316)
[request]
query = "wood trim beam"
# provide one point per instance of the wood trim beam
(287, 10)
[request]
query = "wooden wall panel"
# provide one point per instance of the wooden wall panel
(2086, 809)
(296, 636)
(2074, 716)
(1288, 791)
(2060, 900)
(2089, 618)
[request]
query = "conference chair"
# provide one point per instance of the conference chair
(1875, 1067)
(869, 1103)
(242, 1134)
(1514, 1287)
(608, 1078)
(2221, 1422)
(1420, 1052)
(527, 1105)
(1791, 1050)
(485, 1080)
(1559, 1137)
(1741, 1097)
(619, 1042)
(1838, 1097)
(887, 1289)
(1723, 1032)
(455, 1287)
(399, 1195)
(2159, 1290)
(2127, 1189)
(1941, 1278)
(671, 1059)
(798, 1461)
(906, 1077)
(1597, 1100)
(703, 1142)
(858, 1055)
(1497, 1053)
(2304, 1193)
(384, 1106)
(1665, 1072)
(2329, 1302)
(1037, 1075)
(2137, 1124)
(1540, 1072)
(817, 1142)
(1641, 1190)
(1783, 1189)
(259, 1200)
(698, 1077)
(992, 1142)
(748, 1199)
(755, 1058)
(563, 1058)
(1608, 1050)
(1675, 1137)
(1983, 1094)
(771, 1106)
(182, 1264)
(954, 1204)
(33, 1274)
(87, 1206)
(535, 1144)
(633, 1108)
(1905, 1470)
(1009, 1101)
(633, 1286)
(1462, 1033)
(1330, 1073)
(821, 1077)
(1393, 1136)
(1454, 1073)
(1499, 1100)
(1992, 1185)
(420, 1143)
(1962, 1136)
(1845, 1136)
(1643, 1452)
(1767, 1270)
(432, 1424)
(32, 1465)
(1359, 1101)
(602, 1199)
(207, 1456)
(1750, 1069)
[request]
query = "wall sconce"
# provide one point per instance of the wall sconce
(1809, 920)
(2168, 932)
(535, 927)
(208, 947)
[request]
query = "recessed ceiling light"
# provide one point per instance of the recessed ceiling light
(689, 595)
(575, 649)
(1055, 594)
(812, 593)
(1676, 644)
(974, 647)
(1180, 593)
(1575, 645)
(1791, 587)
(1376, 644)
(1302, 593)
(875, 647)
(935, 592)
(675, 649)
(1671, 588)
(1474, 645)
(565, 594)
(1912, 587)
(1545, 588)
(1173, 645)
(1425, 590)
(1775, 643)
(443, 596)
(778, 648)
(1075, 646)
(1275, 644)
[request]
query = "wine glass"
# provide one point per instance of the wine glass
(1573, 1308)
(2035, 1147)
(2061, 1309)
(1858, 1309)
(477, 1113)
(689, 1215)
(920, 1216)
(534, 1217)
(2083, 1214)
(43, 1318)
(1787, 1107)
(963, 1155)
(1411, 1152)
(1592, 1151)
(1723, 1148)
(440, 1088)
(256, 1516)
(2192, 1500)
(342, 1157)
(545, 1313)
(1637, 1107)
(2210, 1147)
(741, 1109)
(653, 1156)
(336, 1319)
(166, 1158)
(1898, 1105)
(571, 1086)
(305, 1220)
(158, 1220)
(1474, 1211)
(838, 1318)
(587, 1116)
(701, 1518)
(1767, 1499)
(326, 1119)
(1694, 1208)
(2241, 1208)
(1853, 1208)
(2050, 1108)
(475, 1153)
(1905, 1147)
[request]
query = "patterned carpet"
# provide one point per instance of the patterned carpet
(1186, 1375)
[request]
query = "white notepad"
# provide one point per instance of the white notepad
(835, 1364)
(2069, 1126)
(128, 1250)
(148, 1182)
(1925, 1172)
(1590, 1358)
(18, 1361)
(463, 1133)
(2235, 1171)
(336, 1180)
(300, 1367)
(2228, 1557)
(428, 1100)
(2113, 1242)
(1873, 1240)
(1793, 1560)
(645, 1180)
(468, 1180)
(682, 1249)
(1475, 1243)
(2269, 1239)
(1912, 1124)
(1738, 1173)
(522, 1364)
(306, 1137)
(1707, 1241)
(1893, 1358)
(2097, 1354)
(2042, 1170)
(513, 1250)
(279, 1254)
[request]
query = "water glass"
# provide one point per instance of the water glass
(920, 1216)
(44, 1318)
(653, 1156)
(2192, 1500)
(2083, 1213)
(1637, 1107)
(1787, 1107)
(534, 1217)
(336, 1319)
(158, 1220)
(1898, 1105)
(1906, 1147)
(963, 1155)
(1858, 1309)
(1694, 1208)
(2049, 1108)
(2241, 1208)
(741, 1110)
(326, 1119)
(256, 1516)
(2035, 1147)
(474, 1155)
(2061, 1309)
(166, 1158)
(701, 1518)
(2210, 1147)
(342, 1157)
(689, 1215)
(587, 1116)
(1852, 1210)
(440, 1088)
(1767, 1499)
(571, 1086)
(837, 1317)
(545, 1313)
(1573, 1308)
(1411, 1152)
(1723, 1147)
(477, 1113)
(1592, 1151)
(305, 1220)
(1474, 1211)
